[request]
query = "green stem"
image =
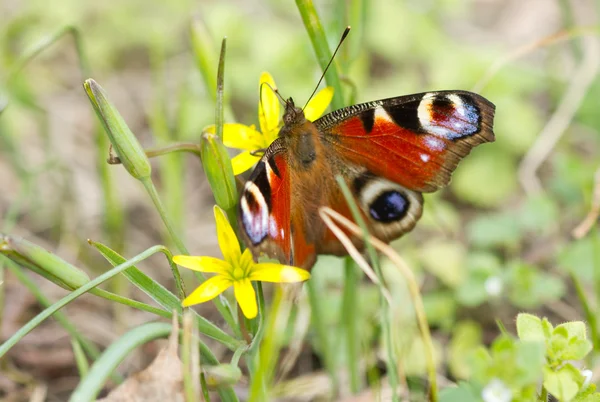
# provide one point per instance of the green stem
(253, 354)
(151, 190)
(385, 311)
(322, 333)
(319, 41)
(590, 316)
(164, 297)
(596, 260)
(544, 395)
(220, 86)
(84, 343)
(171, 148)
(349, 308)
(80, 359)
(270, 346)
(220, 302)
(48, 312)
(91, 385)
(190, 360)
(47, 41)
(131, 303)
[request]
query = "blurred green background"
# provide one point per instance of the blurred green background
(496, 242)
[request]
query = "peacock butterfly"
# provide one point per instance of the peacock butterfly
(388, 151)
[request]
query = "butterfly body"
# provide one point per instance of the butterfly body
(388, 152)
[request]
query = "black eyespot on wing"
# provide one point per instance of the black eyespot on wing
(389, 206)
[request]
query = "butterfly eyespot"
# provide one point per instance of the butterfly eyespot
(389, 206)
(448, 116)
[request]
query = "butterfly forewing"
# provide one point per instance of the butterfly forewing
(415, 140)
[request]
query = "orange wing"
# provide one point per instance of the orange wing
(415, 140)
(267, 223)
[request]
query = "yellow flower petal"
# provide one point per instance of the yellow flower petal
(318, 104)
(268, 105)
(272, 272)
(243, 162)
(246, 297)
(203, 264)
(240, 136)
(247, 262)
(228, 242)
(208, 290)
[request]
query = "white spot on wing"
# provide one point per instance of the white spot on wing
(434, 143)
(459, 105)
(269, 171)
(425, 157)
(380, 113)
(424, 110)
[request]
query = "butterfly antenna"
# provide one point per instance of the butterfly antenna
(275, 91)
(346, 31)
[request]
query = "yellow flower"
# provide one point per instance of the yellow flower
(237, 269)
(247, 138)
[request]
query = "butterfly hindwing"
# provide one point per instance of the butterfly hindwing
(389, 209)
(415, 140)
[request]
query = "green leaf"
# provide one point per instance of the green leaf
(440, 308)
(575, 329)
(91, 385)
(481, 269)
(465, 339)
(494, 230)
(563, 383)
(578, 257)
(163, 296)
(445, 260)
(529, 328)
(153, 289)
(538, 214)
(530, 357)
(588, 395)
(548, 328)
(465, 392)
(529, 287)
(486, 179)
(577, 349)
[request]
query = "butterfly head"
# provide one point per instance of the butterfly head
(293, 115)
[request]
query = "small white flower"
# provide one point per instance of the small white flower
(496, 391)
(588, 378)
(493, 286)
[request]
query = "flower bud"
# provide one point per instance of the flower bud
(218, 169)
(125, 144)
(42, 262)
